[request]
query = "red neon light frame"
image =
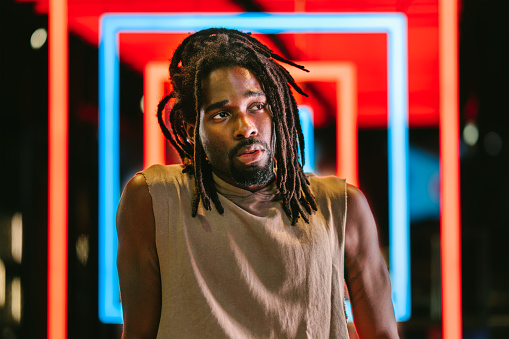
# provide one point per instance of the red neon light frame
(450, 227)
(154, 142)
(57, 170)
(343, 73)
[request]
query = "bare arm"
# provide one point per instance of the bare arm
(137, 262)
(366, 274)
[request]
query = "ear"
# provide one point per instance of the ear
(189, 131)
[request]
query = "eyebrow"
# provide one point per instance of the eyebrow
(216, 105)
(219, 104)
(254, 94)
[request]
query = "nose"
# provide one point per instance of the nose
(245, 127)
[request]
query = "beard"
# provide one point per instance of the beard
(252, 175)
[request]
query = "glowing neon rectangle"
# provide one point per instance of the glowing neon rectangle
(344, 75)
(306, 123)
(392, 24)
(450, 227)
(154, 143)
(57, 170)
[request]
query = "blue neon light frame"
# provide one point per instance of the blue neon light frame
(392, 24)
(306, 123)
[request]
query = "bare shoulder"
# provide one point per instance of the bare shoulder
(358, 209)
(134, 212)
(361, 245)
(136, 188)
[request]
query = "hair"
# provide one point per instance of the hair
(196, 57)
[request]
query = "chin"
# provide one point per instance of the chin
(253, 176)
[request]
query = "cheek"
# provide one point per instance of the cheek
(211, 135)
(266, 126)
(213, 142)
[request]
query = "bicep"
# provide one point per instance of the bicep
(366, 274)
(137, 262)
(361, 245)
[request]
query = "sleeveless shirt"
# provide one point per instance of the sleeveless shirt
(248, 273)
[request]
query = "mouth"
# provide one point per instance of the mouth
(250, 154)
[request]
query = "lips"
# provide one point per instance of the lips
(250, 154)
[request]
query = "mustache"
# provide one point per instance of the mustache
(246, 142)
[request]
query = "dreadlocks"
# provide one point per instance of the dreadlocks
(196, 57)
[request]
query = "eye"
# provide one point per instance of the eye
(258, 106)
(220, 115)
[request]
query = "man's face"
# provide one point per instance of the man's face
(236, 128)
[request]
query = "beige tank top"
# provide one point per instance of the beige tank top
(248, 273)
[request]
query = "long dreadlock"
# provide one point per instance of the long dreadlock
(196, 57)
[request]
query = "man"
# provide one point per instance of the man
(267, 260)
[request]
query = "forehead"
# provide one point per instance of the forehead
(226, 82)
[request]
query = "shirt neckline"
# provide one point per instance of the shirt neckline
(237, 194)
